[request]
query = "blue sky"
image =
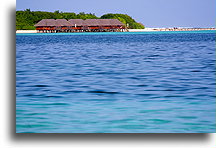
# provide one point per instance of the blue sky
(152, 13)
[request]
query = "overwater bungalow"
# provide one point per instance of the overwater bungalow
(46, 25)
(79, 25)
(76, 25)
(62, 25)
(113, 25)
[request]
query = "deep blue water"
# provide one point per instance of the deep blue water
(115, 82)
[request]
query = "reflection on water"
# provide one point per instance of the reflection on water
(119, 83)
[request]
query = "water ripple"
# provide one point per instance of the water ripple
(155, 82)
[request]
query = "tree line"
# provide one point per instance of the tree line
(25, 20)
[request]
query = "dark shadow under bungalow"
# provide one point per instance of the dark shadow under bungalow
(79, 25)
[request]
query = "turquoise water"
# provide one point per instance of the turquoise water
(151, 82)
(120, 33)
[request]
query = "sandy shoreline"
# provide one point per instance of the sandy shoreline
(169, 29)
(26, 31)
(130, 30)
(140, 30)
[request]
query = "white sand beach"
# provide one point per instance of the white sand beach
(169, 29)
(26, 31)
(130, 30)
(139, 30)
(142, 30)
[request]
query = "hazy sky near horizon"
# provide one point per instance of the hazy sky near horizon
(152, 13)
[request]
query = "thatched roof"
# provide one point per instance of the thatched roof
(103, 22)
(46, 22)
(62, 22)
(91, 22)
(79, 22)
(116, 22)
(52, 22)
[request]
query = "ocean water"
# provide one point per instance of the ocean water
(150, 82)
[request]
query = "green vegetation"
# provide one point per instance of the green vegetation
(25, 20)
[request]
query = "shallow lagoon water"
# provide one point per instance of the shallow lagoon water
(151, 82)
